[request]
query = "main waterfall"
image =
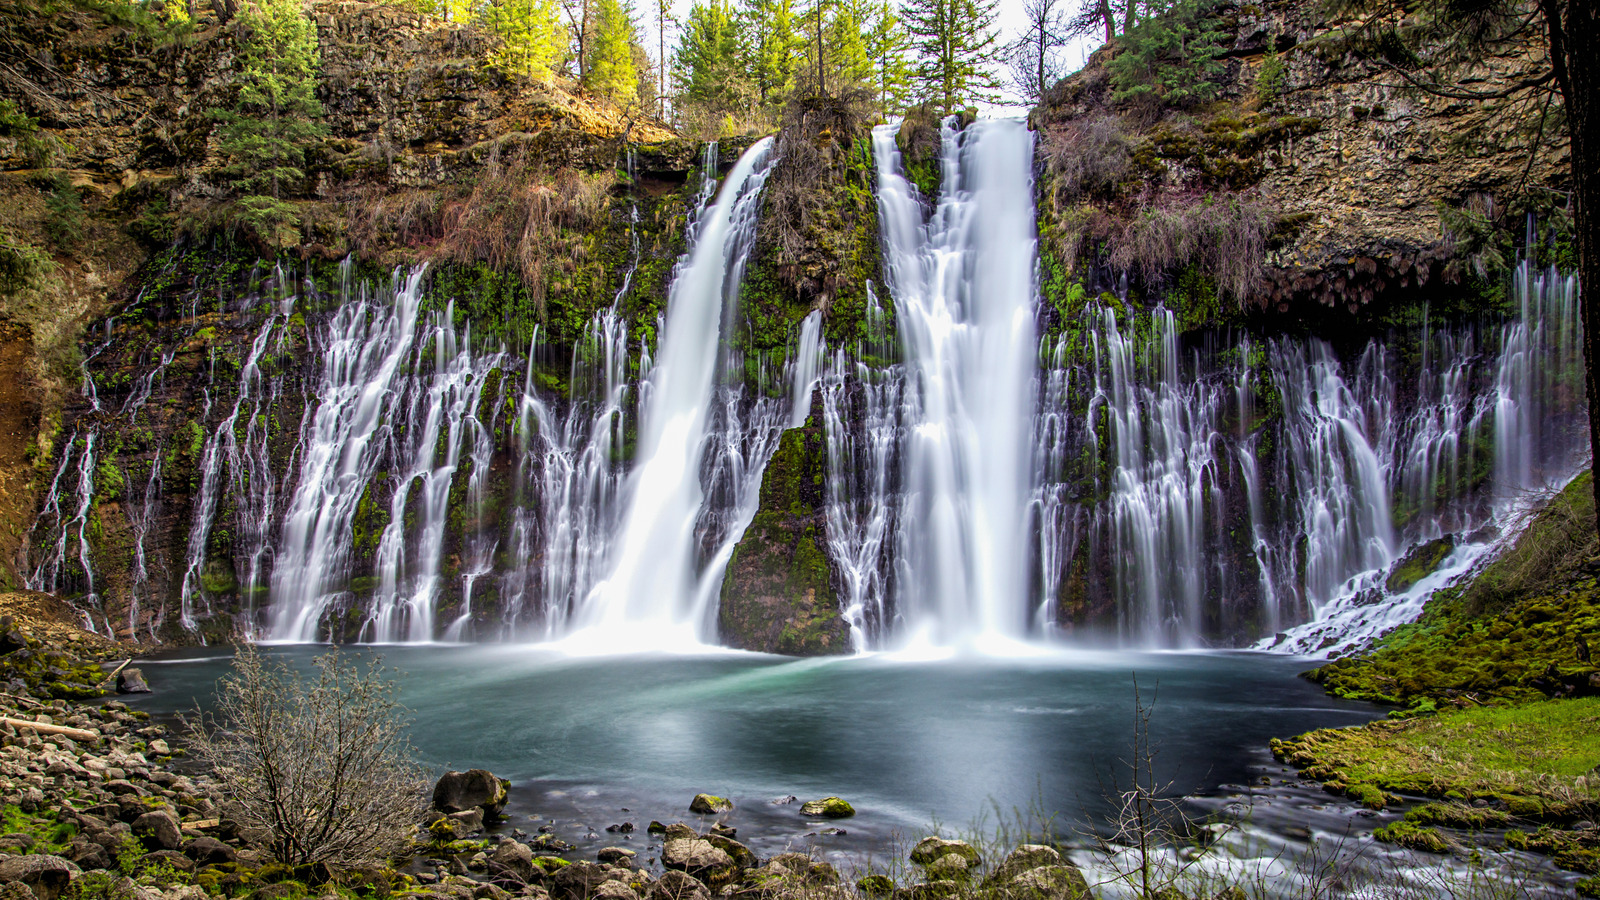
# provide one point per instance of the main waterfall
(656, 596)
(962, 284)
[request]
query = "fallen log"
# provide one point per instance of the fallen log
(77, 734)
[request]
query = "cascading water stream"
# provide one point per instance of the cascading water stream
(963, 289)
(361, 348)
(439, 411)
(651, 599)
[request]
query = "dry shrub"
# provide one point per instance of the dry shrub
(517, 215)
(1087, 158)
(1226, 237)
(321, 762)
(919, 138)
(818, 129)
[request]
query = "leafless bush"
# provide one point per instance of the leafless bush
(818, 129)
(321, 762)
(517, 215)
(1088, 157)
(1224, 236)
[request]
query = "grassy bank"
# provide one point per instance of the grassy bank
(1497, 696)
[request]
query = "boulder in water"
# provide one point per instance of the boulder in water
(709, 804)
(828, 808)
(461, 791)
(131, 681)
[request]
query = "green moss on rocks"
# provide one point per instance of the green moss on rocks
(828, 808)
(778, 594)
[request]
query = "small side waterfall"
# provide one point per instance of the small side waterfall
(362, 349)
(652, 598)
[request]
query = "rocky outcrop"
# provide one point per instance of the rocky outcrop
(778, 593)
(1349, 186)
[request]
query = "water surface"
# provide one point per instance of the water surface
(910, 744)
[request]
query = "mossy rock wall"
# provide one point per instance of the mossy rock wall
(778, 593)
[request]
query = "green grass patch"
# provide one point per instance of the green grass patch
(1535, 758)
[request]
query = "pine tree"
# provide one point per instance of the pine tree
(955, 43)
(769, 27)
(611, 70)
(889, 50)
(532, 41)
(709, 68)
(274, 118)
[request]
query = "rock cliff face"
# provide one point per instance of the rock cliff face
(1320, 169)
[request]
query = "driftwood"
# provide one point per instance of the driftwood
(115, 672)
(77, 734)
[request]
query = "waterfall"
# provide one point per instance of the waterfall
(862, 500)
(1164, 424)
(361, 348)
(438, 412)
(651, 598)
(963, 288)
(221, 447)
(66, 565)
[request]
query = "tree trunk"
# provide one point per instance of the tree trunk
(1110, 20)
(1574, 31)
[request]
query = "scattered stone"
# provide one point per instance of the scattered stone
(699, 858)
(624, 828)
(1023, 859)
(655, 828)
(741, 855)
(615, 855)
(1058, 882)
(722, 830)
(469, 821)
(158, 828)
(48, 876)
(784, 801)
(876, 886)
(834, 832)
(208, 851)
(515, 857)
(709, 804)
(678, 831)
(674, 885)
(177, 861)
(828, 808)
(612, 889)
(949, 867)
(578, 881)
(931, 848)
